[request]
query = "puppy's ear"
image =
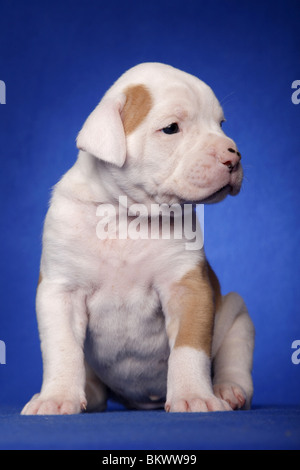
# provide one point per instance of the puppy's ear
(103, 134)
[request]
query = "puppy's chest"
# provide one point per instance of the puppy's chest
(120, 286)
(117, 266)
(121, 274)
(108, 259)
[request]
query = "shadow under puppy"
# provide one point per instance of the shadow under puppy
(141, 316)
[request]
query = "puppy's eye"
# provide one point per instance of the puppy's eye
(171, 129)
(221, 122)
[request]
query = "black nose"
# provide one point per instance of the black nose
(234, 151)
(234, 160)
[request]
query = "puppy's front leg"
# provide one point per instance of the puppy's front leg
(190, 320)
(62, 325)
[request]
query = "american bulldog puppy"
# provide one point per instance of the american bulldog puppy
(123, 311)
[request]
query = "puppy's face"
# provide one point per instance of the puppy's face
(175, 150)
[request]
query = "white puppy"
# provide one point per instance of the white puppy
(141, 316)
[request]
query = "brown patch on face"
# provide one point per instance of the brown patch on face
(194, 304)
(137, 106)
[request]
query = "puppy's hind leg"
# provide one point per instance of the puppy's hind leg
(232, 352)
(95, 391)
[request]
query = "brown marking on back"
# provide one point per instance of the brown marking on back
(137, 106)
(193, 302)
(214, 281)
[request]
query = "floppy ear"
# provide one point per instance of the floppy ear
(103, 134)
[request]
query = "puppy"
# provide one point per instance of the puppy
(125, 312)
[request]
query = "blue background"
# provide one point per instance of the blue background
(58, 58)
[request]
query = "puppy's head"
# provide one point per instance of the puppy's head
(160, 131)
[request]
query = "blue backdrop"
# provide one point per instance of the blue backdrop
(57, 58)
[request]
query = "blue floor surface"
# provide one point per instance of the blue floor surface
(260, 428)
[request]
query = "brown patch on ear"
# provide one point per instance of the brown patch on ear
(214, 281)
(194, 304)
(40, 279)
(137, 106)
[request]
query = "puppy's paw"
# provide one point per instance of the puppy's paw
(232, 393)
(197, 404)
(56, 405)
